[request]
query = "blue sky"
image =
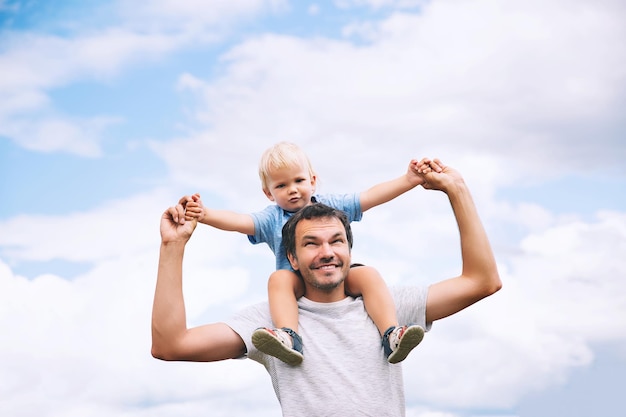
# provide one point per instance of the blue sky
(110, 111)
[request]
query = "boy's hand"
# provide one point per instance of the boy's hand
(438, 176)
(418, 169)
(189, 208)
(194, 209)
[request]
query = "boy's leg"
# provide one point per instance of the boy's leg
(398, 341)
(282, 342)
(283, 290)
(365, 281)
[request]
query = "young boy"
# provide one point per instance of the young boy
(288, 179)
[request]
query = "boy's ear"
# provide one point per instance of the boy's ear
(268, 194)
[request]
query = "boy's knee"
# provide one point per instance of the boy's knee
(285, 279)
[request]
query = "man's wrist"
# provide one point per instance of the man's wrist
(174, 244)
(456, 189)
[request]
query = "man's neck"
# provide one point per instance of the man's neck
(325, 296)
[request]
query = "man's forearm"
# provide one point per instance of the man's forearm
(168, 311)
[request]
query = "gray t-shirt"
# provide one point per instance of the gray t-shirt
(344, 372)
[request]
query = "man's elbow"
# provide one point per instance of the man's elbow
(493, 284)
(160, 353)
(164, 350)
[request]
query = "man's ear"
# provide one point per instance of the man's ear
(293, 261)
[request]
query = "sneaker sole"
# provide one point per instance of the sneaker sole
(411, 338)
(269, 345)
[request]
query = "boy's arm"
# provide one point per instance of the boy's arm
(171, 339)
(387, 191)
(221, 219)
(479, 275)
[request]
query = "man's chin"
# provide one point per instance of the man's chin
(327, 286)
(328, 281)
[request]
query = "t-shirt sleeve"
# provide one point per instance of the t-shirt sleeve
(348, 203)
(246, 321)
(411, 305)
(264, 225)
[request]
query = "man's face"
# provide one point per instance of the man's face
(322, 256)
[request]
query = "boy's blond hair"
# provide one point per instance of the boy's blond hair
(282, 155)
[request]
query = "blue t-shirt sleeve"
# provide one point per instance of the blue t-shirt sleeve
(265, 223)
(348, 203)
(268, 228)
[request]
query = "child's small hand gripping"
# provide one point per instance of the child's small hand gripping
(194, 209)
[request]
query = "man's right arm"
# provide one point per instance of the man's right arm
(171, 339)
(479, 275)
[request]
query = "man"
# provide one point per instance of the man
(345, 372)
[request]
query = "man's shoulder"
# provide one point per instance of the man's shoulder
(408, 293)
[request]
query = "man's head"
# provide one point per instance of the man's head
(318, 241)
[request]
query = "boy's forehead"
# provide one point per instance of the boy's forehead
(287, 170)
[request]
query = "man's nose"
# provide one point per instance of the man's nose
(326, 250)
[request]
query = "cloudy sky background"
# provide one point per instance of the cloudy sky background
(111, 110)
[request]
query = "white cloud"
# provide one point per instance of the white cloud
(95, 328)
(193, 15)
(83, 345)
(28, 115)
(485, 85)
(377, 4)
(562, 295)
(27, 109)
(477, 77)
(489, 86)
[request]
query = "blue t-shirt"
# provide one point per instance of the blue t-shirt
(268, 223)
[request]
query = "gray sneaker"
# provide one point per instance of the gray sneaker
(283, 344)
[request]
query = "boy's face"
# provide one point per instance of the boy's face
(290, 187)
